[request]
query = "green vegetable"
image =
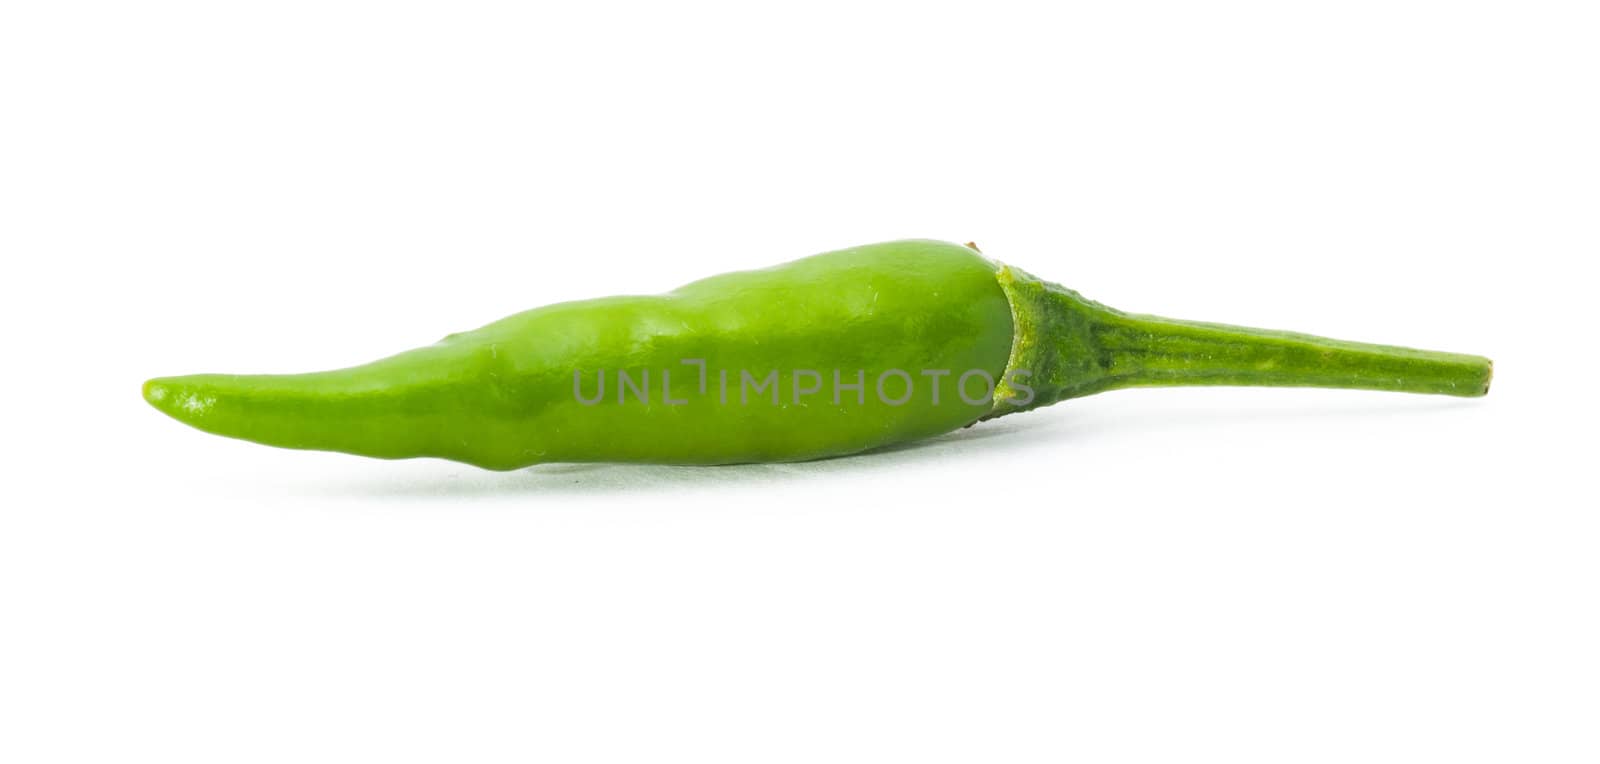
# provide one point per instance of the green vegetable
(831, 354)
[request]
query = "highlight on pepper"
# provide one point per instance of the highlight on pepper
(828, 355)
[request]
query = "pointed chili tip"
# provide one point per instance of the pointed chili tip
(157, 391)
(163, 395)
(171, 396)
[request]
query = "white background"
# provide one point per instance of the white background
(1161, 575)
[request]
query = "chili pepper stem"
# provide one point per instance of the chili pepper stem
(1074, 346)
(1152, 351)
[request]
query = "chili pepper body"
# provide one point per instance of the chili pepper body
(717, 371)
(823, 356)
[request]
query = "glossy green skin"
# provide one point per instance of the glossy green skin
(523, 390)
(503, 396)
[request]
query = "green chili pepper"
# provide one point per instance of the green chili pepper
(831, 354)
